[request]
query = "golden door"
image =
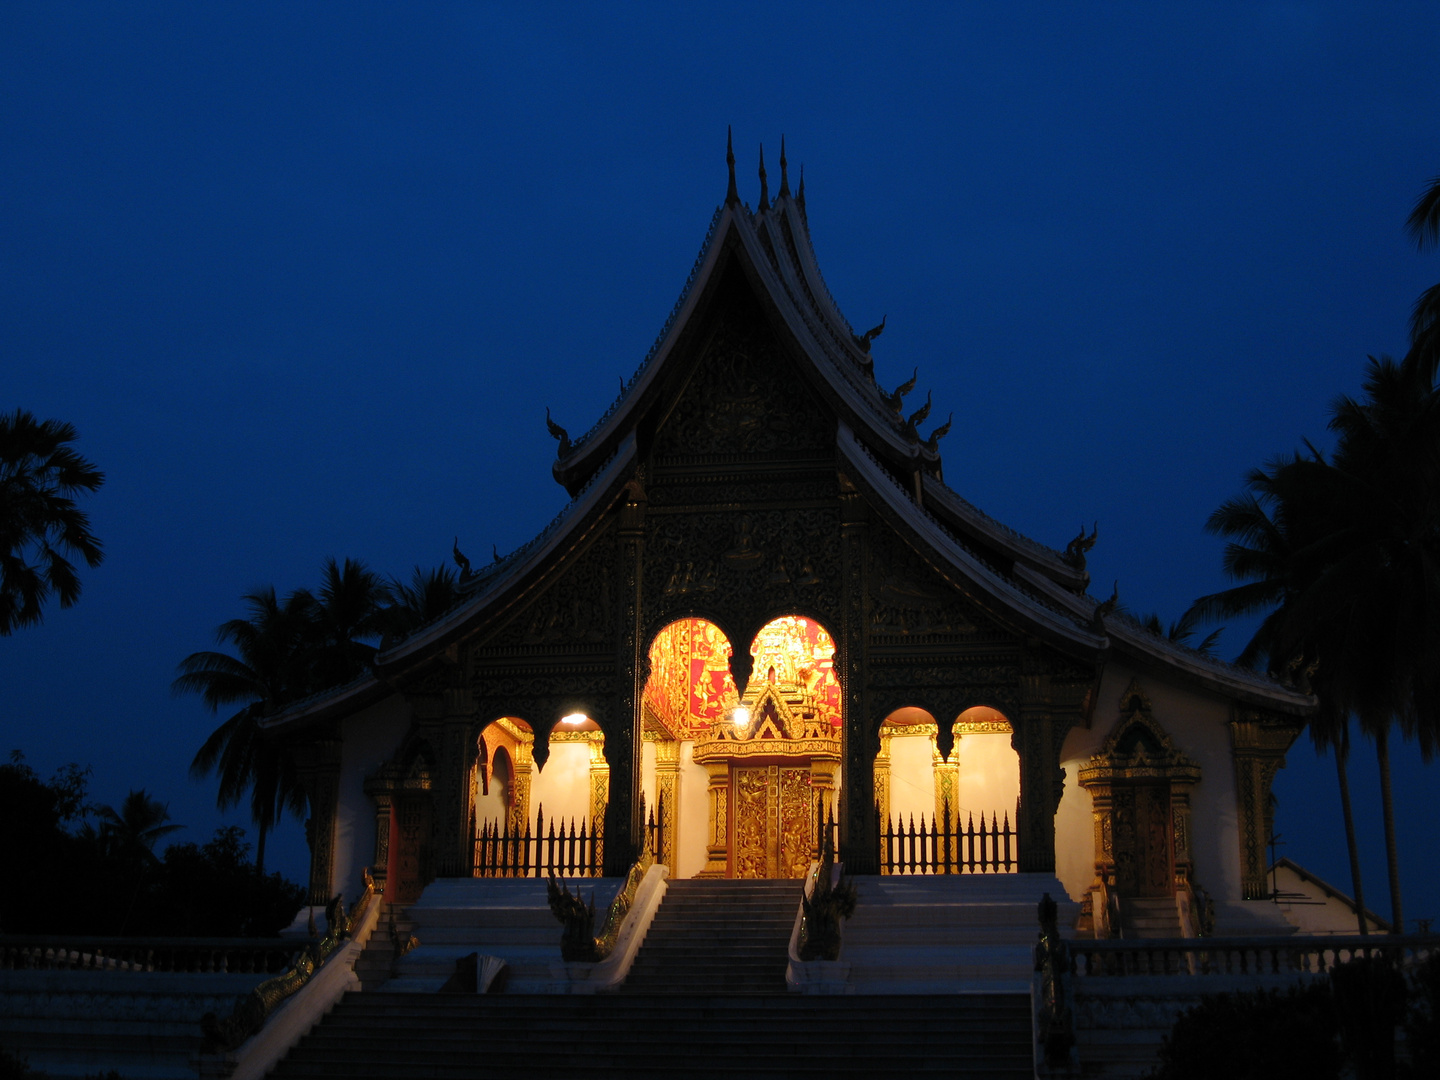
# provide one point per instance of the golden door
(774, 818)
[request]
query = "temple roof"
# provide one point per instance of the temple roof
(1041, 590)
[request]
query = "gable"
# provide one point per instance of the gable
(744, 396)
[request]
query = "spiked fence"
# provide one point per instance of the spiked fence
(938, 845)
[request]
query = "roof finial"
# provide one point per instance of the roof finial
(784, 173)
(732, 196)
(764, 187)
(800, 192)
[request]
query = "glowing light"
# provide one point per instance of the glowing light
(740, 716)
(575, 719)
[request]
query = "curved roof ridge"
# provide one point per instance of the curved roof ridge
(1134, 632)
(1052, 562)
(834, 349)
(1058, 618)
(483, 590)
(665, 329)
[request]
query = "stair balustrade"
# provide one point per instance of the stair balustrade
(1313, 955)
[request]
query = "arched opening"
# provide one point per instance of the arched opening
(943, 815)
(531, 820)
(688, 692)
(773, 760)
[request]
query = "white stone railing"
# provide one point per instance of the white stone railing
(1309, 955)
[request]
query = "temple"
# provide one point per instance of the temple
(764, 616)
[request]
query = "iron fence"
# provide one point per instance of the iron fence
(939, 845)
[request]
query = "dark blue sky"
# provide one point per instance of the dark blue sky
(305, 279)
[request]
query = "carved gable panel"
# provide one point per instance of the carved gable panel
(744, 398)
(909, 600)
(575, 608)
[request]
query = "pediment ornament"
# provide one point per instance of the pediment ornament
(1138, 747)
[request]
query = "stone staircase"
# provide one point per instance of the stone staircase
(1149, 918)
(705, 998)
(717, 937)
(377, 963)
(399, 1036)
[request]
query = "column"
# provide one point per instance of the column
(318, 764)
(1034, 740)
(717, 861)
(599, 795)
(667, 794)
(624, 831)
(858, 841)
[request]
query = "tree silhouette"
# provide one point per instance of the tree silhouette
(273, 667)
(39, 521)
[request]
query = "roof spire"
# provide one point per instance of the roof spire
(800, 193)
(732, 196)
(784, 173)
(764, 187)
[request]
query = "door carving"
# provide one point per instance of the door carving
(1144, 856)
(410, 849)
(774, 820)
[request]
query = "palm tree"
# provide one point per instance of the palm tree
(1344, 555)
(39, 521)
(429, 595)
(1183, 630)
(349, 611)
(1271, 551)
(129, 836)
(131, 833)
(1424, 228)
(272, 669)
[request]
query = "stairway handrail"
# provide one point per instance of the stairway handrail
(278, 1013)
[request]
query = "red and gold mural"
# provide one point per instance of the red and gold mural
(796, 651)
(690, 686)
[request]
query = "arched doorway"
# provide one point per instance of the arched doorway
(689, 690)
(1139, 784)
(531, 820)
(773, 761)
(952, 814)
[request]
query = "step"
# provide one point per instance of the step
(400, 1036)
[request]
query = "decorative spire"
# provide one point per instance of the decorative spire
(559, 434)
(917, 418)
(800, 194)
(732, 196)
(764, 187)
(933, 442)
(784, 173)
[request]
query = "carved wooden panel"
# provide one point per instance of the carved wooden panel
(774, 821)
(1155, 858)
(410, 855)
(742, 568)
(796, 812)
(745, 397)
(752, 823)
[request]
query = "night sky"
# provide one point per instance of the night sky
(306, 277)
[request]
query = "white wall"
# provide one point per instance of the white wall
(989, 776)
(694, 820)
(562, 788)
(369, 739)
(1198, 724)
(912, 777)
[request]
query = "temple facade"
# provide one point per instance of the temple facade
(764, 617)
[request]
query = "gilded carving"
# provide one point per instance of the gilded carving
(744, 397)
(1139, 784)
